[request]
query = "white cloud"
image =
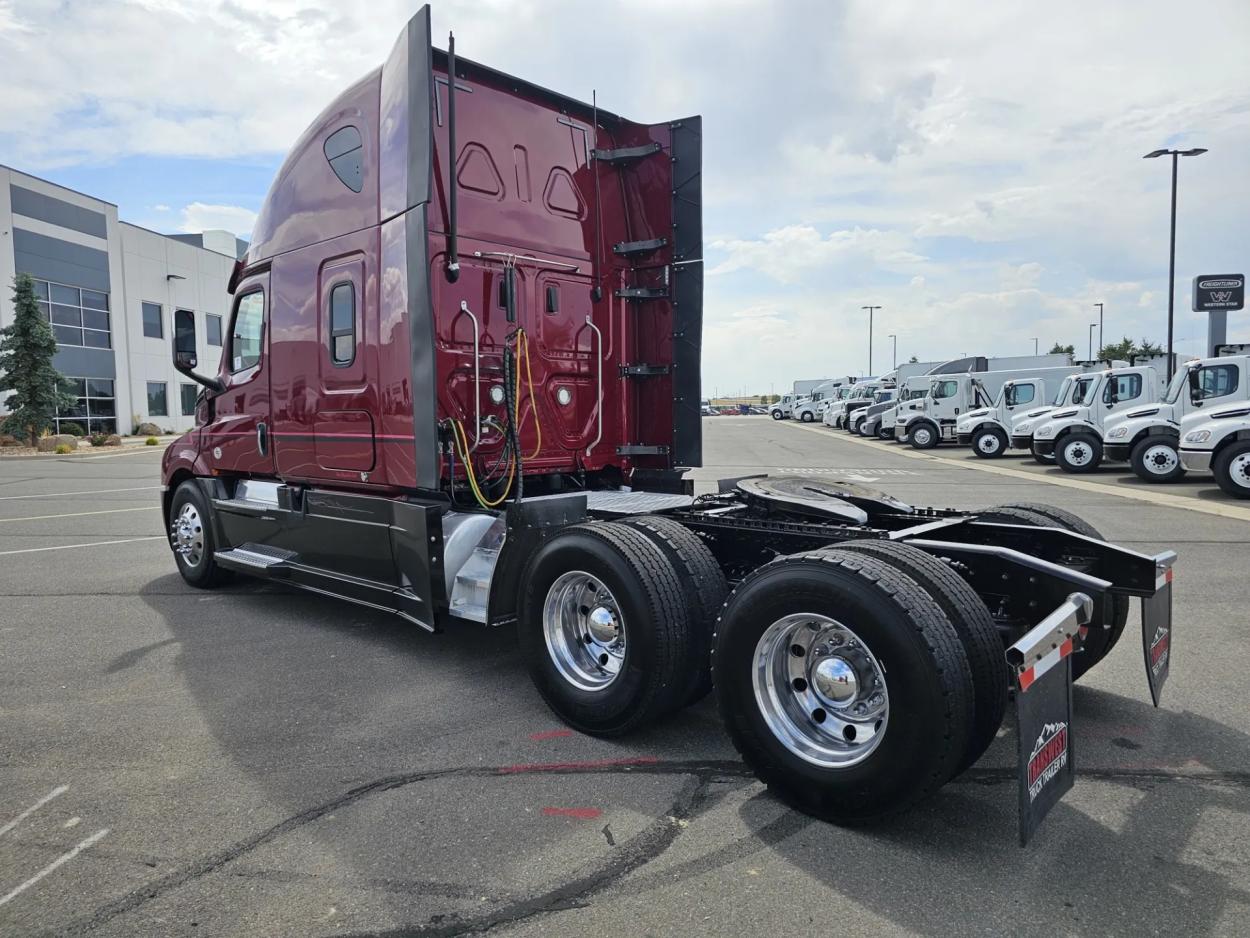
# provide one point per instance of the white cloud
(160, 208)
(787, 254)
(237, 220)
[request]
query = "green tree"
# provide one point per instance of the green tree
(26, 349)
(1126, 348)
(1058, 349)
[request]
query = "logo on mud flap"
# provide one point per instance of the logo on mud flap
(1050, 754)
(1160, 648)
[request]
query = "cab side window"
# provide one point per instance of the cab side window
(343, 324)
(247, 331)
(945, 389)
(1127, 387)
(1216, 381)
(1019, 394)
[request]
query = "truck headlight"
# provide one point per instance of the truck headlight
(1117, 433)
(1198, 436)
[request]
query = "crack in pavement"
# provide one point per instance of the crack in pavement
(694, 799)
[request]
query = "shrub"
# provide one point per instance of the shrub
(98, 439)
(64, 449)
(72, 429)
(151, 441)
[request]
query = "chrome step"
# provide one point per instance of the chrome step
(255, 556)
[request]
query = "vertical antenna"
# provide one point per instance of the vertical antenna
(453, 247)
(596, 292)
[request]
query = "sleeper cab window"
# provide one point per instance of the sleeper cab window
(343, 324)
(245, 337)
(343, 150)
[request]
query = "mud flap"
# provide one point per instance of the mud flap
(1156, 626)
(1042, 663)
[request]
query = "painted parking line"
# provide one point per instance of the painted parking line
(80, 514)
(56, 792)
(141, 488)
(53, 866)
(40, 550)
(1219, 509)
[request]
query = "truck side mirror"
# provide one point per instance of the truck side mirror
(1195, 387)
(184, 339)
(185, 358)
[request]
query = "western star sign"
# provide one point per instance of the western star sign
(1219, 291)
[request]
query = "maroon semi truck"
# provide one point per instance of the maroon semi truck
(461, 384)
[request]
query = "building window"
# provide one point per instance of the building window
(343, 324)
(158, 404)
(153, 327)
(94, 409)
(189, 393)
(79, 317)
(213, 329)
(249, 318)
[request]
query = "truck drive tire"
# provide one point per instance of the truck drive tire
(972, 622)
(1103, 633)
(1078, 452)
(842, 684)
(989, 443)
(603, 628)
(1157, 459)
(923, 436)
(704, 586)
(1232, 470)
(191, 538)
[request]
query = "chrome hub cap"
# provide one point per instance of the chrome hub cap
(584, 631)
(1239, 470)
(186, 534)
(922, 435)
(1078, 454)
(820, 690)
(1161, 460)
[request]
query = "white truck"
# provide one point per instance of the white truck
(1149, 438)
(862, 391)
(865, 421)
(834, 405)
(934, 418)
(1220, 443)
(989, 430)
(785, 407)
(910, 394)
(1073, 436)
(812, 406)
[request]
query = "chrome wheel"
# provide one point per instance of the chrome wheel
(1239, 470)
(1161, 459)
(1078, 453)
(820, 690)
(584, 631)
(186, 534)
(922, 436)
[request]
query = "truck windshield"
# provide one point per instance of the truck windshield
(1084, 391)
(1178, 382)
(1062, 392)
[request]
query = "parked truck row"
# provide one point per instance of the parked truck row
(1077, 416)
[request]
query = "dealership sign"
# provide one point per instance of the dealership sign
(1219, 291)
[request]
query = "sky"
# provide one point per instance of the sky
(974, 168)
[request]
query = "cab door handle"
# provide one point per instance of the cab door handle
(262, 439)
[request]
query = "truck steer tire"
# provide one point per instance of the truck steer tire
(924, 436)
(1043, 460)
(1157, 459)
(704, 586)
(885, 433)
(1103, 632)
(842, 684)
(603, 628)
(808, 416)
(972, 622)
(777, 415)
(191, 537)
(858, 427)
(1232, 470)
(989, 443)
(1078, 452)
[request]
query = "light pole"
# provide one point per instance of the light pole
(1101, 344)
(1035, 348)
(1092, 327)
(1175, 154)
(895, 353)
(870, 312)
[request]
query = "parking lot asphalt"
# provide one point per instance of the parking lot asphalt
(257, 760)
